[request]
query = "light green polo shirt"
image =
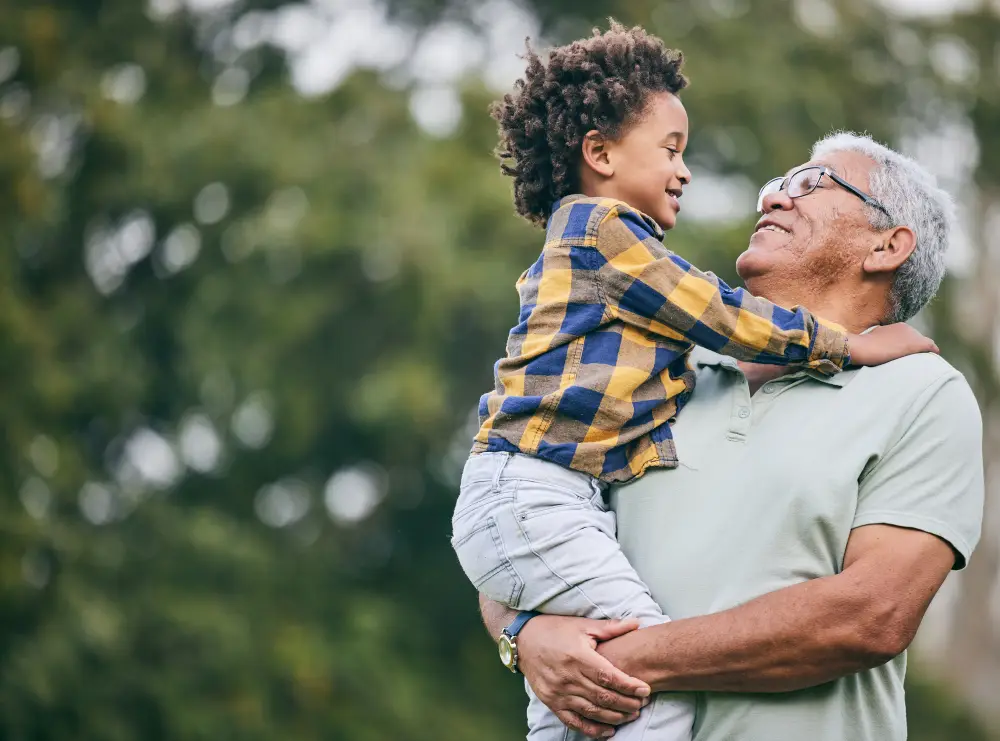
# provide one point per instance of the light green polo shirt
(768, 490)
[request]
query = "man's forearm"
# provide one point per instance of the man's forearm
(496, 616)
(797, 637)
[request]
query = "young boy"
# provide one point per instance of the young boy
(597, 366)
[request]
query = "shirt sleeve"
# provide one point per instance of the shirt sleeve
(649, 287)
(931, 478)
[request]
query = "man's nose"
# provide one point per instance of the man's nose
(777, 201)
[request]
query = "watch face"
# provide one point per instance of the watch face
(506, 654)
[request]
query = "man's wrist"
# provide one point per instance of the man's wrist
(507, 644)
(614, 652)
(627, 654)
(520, 620)
(496, 616)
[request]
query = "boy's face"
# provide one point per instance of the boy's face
(646, 164)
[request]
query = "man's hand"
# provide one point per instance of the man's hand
(887, 343)
(559, 659)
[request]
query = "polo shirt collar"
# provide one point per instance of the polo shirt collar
(702, 358)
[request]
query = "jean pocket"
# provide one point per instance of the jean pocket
(484, 560)
(475, 496)
(535, 498)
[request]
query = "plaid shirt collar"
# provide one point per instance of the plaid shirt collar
(654, 227)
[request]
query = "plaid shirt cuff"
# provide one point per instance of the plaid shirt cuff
(828, 352)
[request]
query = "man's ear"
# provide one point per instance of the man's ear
(896, 246)
(595, 154)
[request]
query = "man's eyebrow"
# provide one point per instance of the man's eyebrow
(820, 163)
(831, 167)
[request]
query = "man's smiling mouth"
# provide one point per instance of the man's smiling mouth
(771, 226)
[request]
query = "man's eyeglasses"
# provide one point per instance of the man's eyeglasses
(805, 181)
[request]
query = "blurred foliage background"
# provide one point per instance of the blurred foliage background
(256, 263)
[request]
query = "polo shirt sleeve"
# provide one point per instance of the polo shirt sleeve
(931, 477)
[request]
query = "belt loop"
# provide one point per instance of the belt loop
(498, 472)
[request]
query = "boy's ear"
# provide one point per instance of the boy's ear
(595, 154)
(896, 246)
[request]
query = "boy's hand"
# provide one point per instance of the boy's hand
(887, 343)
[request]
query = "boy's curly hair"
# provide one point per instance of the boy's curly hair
(603, 82)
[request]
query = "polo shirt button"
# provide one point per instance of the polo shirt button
(769, 389)
(744, 412)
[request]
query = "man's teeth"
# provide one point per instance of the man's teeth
(771, 228)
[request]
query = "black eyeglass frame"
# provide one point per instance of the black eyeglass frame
(824, 170)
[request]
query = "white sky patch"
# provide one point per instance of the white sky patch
(818, 17)
(230, 87)
(52, 139)
(97, 503)
(929, 8)
(325, 45)
(180, 248)
(954, 60)
(282, 503)
(446, 53)
(325, 42)
(505, 25)
(111, 251)
(717, 198)
(951, 153)
(160, 10)
(125, 83)
(352, 494)
(297, 26)
(199, 443)
(149, 457)
(208, 6)
(211, 204)
(253, 420)
(437, 110)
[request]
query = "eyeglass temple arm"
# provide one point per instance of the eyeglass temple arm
(860, 194)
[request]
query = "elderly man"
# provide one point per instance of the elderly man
(812, 518)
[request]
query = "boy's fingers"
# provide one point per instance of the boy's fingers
(605, 630)
(586, 727)
(605, 674)
(588, 711)
(609, 699)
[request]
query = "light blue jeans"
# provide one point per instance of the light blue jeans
(536, 536)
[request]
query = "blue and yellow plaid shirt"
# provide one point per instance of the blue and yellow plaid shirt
(597, 365)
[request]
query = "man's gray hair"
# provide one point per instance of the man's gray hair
(911, 195)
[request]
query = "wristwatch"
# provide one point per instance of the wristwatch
(508, 640)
